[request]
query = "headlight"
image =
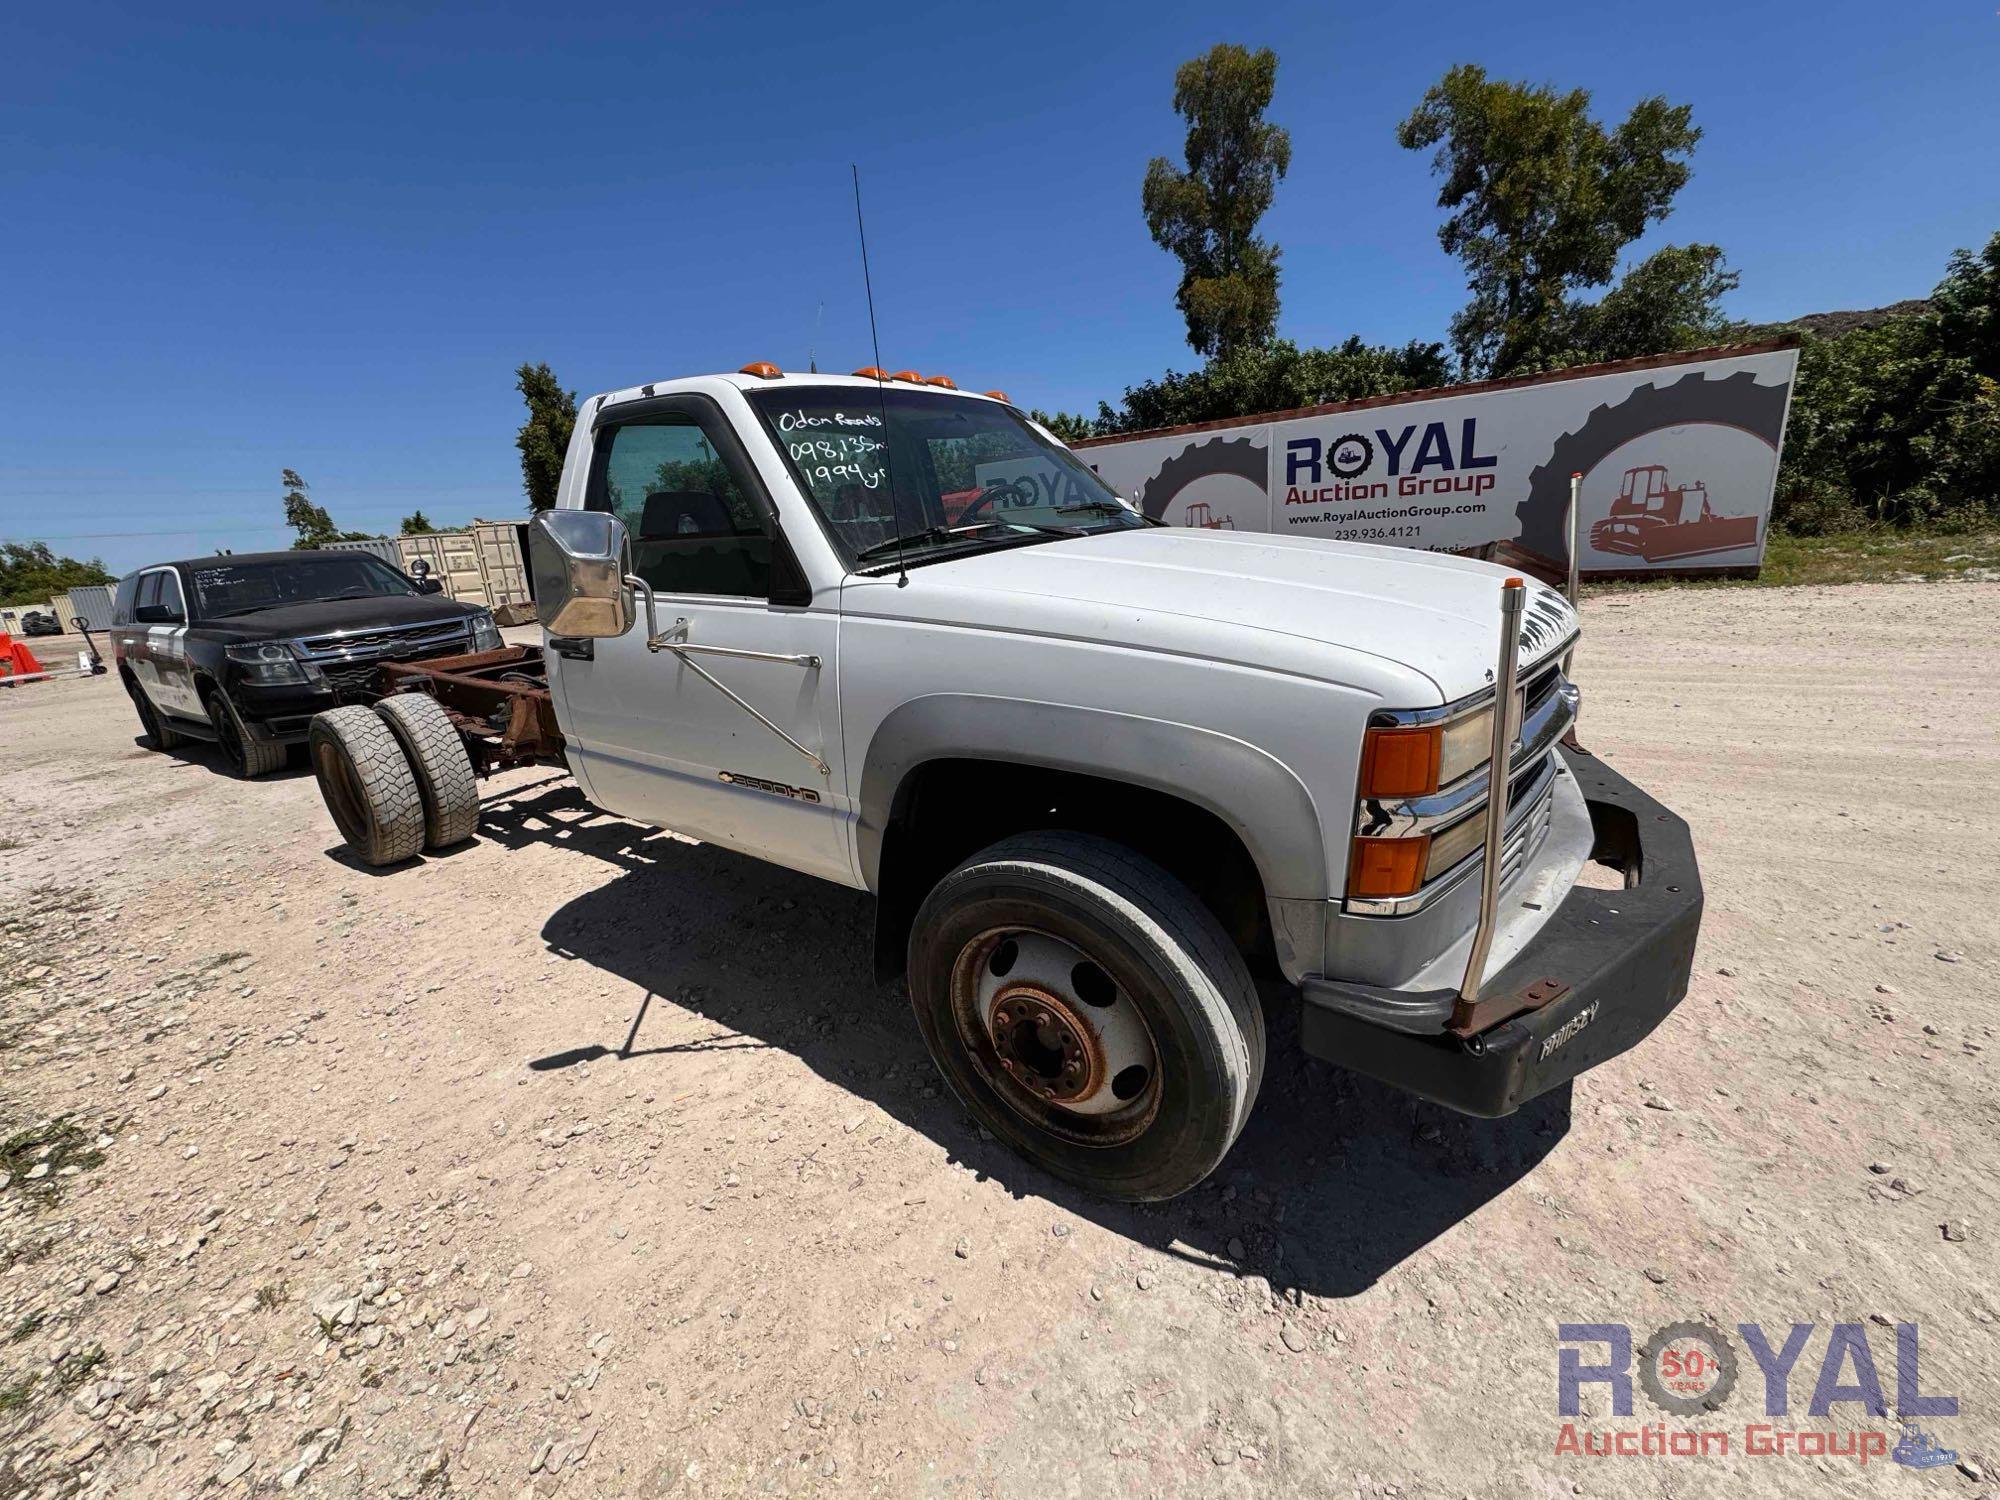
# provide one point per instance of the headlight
(1414, 761)
(485, 634)
(270, 663)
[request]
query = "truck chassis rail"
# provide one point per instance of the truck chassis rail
(498, 700)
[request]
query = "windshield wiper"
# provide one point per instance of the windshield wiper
(919, 538)
(1097, 507)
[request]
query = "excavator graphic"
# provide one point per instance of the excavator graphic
(1649, 520)
(1199, 514)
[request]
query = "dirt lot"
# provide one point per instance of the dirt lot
(588, 1160)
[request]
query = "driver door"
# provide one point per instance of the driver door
(649, 735)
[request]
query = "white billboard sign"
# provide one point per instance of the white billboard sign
(1679, 456)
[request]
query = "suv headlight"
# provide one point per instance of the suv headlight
(485, 634)
(270, 664)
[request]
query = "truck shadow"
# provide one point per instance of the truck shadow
(1335, 1181)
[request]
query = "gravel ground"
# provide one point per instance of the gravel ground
(589, 1160)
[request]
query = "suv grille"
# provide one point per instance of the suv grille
(348, 660)
(395, 640)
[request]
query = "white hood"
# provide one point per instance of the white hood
(1342, 611)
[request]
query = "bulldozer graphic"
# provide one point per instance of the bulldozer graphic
(1199, 514)
(1651, 519)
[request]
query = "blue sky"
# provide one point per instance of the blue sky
(240, 239)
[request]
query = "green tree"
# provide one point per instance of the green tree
(30, 573)
(417, 524)
(1899, 423)
(1669, 301)
(1206, 215)
(1541, 201)
(1067, 426)
(1277, 376)
(314, 526)
(544, 437)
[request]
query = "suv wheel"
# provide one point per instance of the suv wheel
(152, 721)
(248, 756)
(1090, 1011)
(367, 784)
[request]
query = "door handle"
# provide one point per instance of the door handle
(576, 648)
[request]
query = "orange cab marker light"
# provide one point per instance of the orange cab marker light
(1001, 396)
(1401, 762)
(763, 369)
(944, 380)
(910, 375)
(872, 372)
(1388, 867)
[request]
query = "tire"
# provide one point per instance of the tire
(247, 755)
(1148, 944)
(368, 785)
(152, 721)
(445, 780)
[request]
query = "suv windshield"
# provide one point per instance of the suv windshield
(233, 588)
(945, 473)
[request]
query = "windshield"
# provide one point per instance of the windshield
(232, 588)
(946, 473)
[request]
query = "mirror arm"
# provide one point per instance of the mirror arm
(676, 641)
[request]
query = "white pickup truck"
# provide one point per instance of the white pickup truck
(1097, 771)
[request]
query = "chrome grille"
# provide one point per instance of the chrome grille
(348, 659)
(1522, 844)
(390, 642)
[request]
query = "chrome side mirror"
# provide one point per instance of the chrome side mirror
(579, 561)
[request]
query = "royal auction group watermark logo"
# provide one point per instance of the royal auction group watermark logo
(1691, 1371)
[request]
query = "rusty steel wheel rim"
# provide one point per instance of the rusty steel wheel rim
(1055, 1036)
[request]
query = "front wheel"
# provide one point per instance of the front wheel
(163, 735)
(1090, 1011)
(248, 756)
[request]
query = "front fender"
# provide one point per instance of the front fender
(1250, 790)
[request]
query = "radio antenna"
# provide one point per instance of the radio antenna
(812, 350)
(881, 385)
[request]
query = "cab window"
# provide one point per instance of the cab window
(694, 529)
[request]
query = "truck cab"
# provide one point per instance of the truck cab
(1096, 771)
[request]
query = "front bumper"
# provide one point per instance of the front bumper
(1614, 962)
(281, 711)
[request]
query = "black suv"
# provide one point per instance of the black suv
(245, 649)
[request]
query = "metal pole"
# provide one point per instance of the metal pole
(1575, 505)
(1513, 594)
(9, 679)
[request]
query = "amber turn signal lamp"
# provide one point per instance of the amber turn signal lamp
(1401, 762)
(872, 372)
(763, 369)
(1388, 867)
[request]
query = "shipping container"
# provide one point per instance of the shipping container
(383, 547)
(454, 562)
(92, 602)
(65, 612)
(501, 562)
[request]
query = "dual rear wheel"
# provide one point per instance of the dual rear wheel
(396, 777)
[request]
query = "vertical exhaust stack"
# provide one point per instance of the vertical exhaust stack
(1513, 594)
